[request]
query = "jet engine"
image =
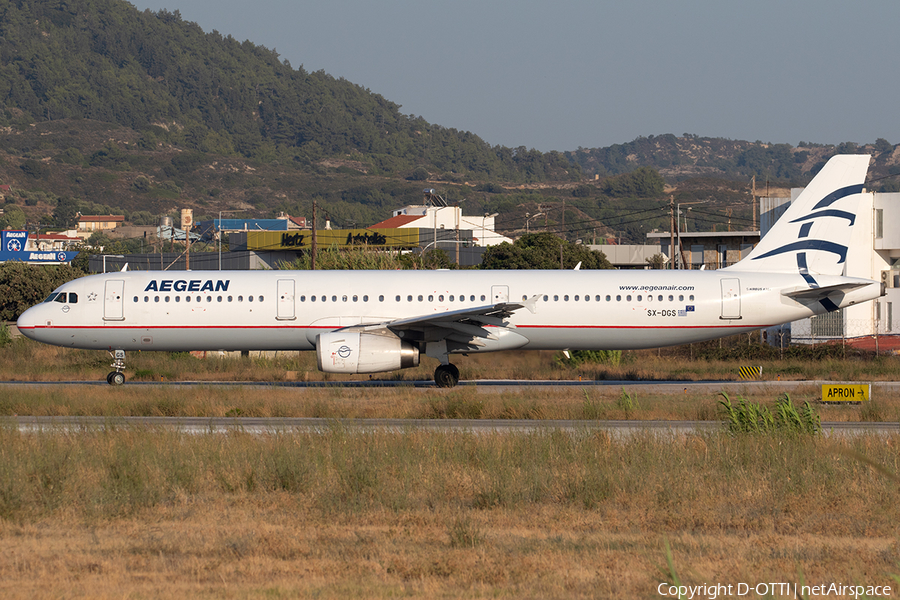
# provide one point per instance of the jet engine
(349, 351)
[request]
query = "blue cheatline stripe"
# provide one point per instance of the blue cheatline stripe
(828, 305)
(838, 194)
(804, 230)
(804, 270)
(828, 213)
(824, 245)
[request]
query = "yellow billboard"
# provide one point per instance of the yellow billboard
(333, 238)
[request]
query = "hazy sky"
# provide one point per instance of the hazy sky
(591, 73)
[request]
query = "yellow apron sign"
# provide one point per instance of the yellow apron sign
(330, 238)
(846, 392)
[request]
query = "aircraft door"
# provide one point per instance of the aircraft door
(286, 306)
(500, 293)
(114, 300)
(731, 298)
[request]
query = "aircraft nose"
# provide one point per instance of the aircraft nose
(28, 321)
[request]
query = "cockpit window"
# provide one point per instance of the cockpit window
(73, 298)
(52, 297)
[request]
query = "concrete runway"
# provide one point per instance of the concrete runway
(263, 426)
(506, 385)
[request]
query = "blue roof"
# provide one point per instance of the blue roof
(244, 224)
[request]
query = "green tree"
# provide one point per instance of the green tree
(542, 251)
(13, 217)
(882, 146)
(64, 214)
(643, 182)
(23, 285)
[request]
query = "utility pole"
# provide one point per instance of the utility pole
(672, 232)
(753, 202)
(312, 252)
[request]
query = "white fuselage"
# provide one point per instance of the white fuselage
(287, 310)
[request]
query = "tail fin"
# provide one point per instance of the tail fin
(813, 234)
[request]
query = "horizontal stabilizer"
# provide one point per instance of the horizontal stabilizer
(822, 292)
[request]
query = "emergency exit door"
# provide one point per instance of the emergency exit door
(731, 298)
(114, 301)
(286, 311)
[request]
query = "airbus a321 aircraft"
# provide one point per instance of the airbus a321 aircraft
(377, 321)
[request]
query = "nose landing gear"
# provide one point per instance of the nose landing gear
(117, 377)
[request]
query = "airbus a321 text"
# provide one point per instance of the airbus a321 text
(377, 321)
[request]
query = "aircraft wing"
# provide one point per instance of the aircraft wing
(465, 325)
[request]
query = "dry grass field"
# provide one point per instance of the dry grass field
(149, 513)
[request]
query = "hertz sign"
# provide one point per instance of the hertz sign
(329, 238)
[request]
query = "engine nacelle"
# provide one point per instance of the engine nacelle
(362, 352)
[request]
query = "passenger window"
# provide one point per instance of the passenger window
(577, 297)
(649, 298)
(302, 298)
(381, 298)
(209, 298)
(681, 298)
(691, 297)
(671, 297)
(240, 298)
(618, 298)
(219, 299)
(249, 298)
(555, 298)
(229, 298)
(566, 298)
(482, 298)
(312, 298)
(409, 298)
(187, 298)
(628, 298)
(546, 297)
(334, 298)
(472, 298)
(587, 297)
(659, 298)
(640, 298)
(344, 298)
(441, 298)
(177, 298)
(420, 297)
(167, 298)
(135, 298)
(608, 298)
(431, 298)
(156, 298)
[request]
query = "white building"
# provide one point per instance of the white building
(438, 218)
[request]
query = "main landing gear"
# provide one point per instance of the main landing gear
(446, 376)
(117, 377)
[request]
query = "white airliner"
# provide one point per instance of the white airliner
(376, 321)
